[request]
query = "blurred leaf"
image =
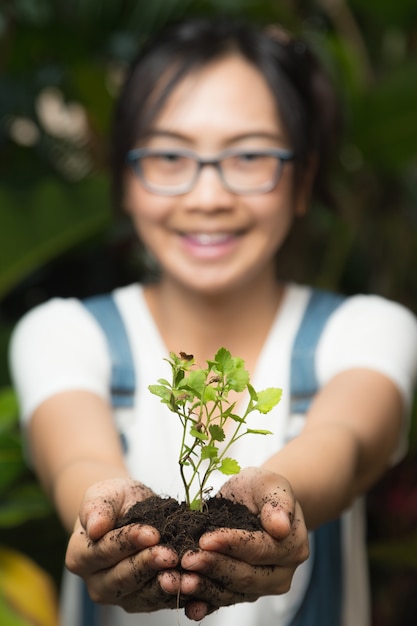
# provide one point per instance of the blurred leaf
(11, 460)
(404, 12)
(25, 502)
(8, 410)
(395, 553)
(28, 589)
(385, 119)
(40, 223)
(8, 616)
(90, 86)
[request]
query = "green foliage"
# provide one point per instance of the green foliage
(21, 498)
(200, 398)
(54, 220)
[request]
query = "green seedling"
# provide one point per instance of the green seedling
(200, 398)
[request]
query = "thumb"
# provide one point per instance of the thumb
(100, 509)
(107, 501)
(275, 501)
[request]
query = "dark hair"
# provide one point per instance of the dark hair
(305, 99)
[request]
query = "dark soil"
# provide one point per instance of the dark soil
(181, 528)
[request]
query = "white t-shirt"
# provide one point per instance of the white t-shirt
(58, 346)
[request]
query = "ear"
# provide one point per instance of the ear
(303, 192)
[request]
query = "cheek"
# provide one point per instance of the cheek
(142, 206)
(275, 213)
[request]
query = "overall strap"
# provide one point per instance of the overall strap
(303, 382)
(322, 603)
(123, 381)
(106, 313)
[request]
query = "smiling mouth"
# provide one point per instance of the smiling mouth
(209, 239)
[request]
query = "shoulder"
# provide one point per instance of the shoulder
(51, 319)
(66, 317)
(370, 331)
(57, 346)
(373, 317)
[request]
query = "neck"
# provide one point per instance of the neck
(199, 324)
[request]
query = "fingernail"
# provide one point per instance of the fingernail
(209, 543)
(190, 561)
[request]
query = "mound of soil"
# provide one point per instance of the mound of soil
(181, 528)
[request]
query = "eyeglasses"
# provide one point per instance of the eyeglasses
(175, 172)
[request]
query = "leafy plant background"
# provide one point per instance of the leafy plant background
(60, 67)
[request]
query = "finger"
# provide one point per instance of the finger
(151, 598)
(105, 502)
(214, 592)
(255, 548)
(85, 557)
(256, 487)
(197, 610)
(130, 576)
(236, 577)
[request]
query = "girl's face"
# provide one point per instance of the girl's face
(210, 239)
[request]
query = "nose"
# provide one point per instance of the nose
(209, 192)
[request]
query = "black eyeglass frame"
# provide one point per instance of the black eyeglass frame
(133, 159)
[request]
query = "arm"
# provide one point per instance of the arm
(349, 436)
(78, 458)
(74, 445)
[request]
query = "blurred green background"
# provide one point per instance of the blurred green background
(61, 64)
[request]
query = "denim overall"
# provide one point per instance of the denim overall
(321, 605)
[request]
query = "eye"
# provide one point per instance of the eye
(169, 161)
(249, 156)
(171, 157)
(248, 160)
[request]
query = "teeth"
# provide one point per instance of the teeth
(209, 239)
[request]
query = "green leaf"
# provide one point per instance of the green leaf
(209, 394)
(252, 393)
(237, 418)
(179, 377)
(228, 412)
(222, 360)
(161, 391)
(217, 433)
(209, 452)
(163, 381)
(195, 382)
(238, 377)
(196, 503)
(229, 466)
(267, 399)
(259, 432)
(198, 434)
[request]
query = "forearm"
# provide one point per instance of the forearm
(350, 434)
(69, 485)
(74, 444)
(322, 466)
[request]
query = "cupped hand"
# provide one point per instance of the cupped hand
(121, 566)
(234, 565)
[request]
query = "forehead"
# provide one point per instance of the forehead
(229, 96)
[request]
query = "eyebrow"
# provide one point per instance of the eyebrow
(235, 138)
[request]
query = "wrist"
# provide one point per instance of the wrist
(72, 480)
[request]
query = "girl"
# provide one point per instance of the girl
(220, 139)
